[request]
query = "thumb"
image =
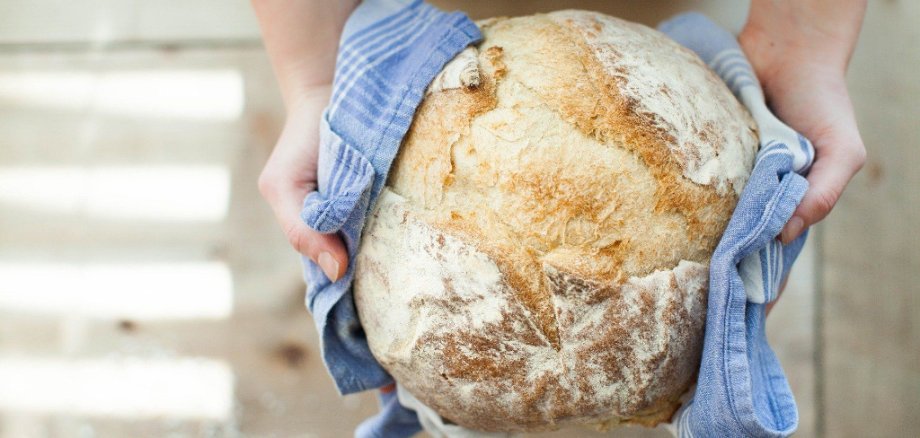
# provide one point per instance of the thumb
(827, 180)
(326, 250)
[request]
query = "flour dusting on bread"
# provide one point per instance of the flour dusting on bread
(540, 254)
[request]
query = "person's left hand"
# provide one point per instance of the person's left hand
(290, 174)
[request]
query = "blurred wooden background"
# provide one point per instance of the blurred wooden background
(173, 103)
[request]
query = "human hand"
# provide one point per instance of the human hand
(290, 174)
(800, 51)
(302, 39)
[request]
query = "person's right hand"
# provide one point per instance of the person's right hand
(290, 174)
(800, 51)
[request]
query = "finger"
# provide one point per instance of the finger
(326, 250)
(830, 174)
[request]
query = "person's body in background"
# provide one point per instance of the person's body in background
(799, 50)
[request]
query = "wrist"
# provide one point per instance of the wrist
(305, 80)
(780, 64)
(771, 55)
(821, 33)
(307, 99)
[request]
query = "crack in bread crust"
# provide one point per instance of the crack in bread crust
(540, 254)
(468, 349)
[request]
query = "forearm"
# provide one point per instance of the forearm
(301, 38)
(820, 32)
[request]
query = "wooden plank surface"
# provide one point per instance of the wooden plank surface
(279, 386)
(102, 22)
(871, 251)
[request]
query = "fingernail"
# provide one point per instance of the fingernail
(792, 230)
(329, 266)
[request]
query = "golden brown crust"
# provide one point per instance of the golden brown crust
(468, 349)
(586, 205)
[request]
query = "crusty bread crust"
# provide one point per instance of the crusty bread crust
(441, 317)
(540, 255)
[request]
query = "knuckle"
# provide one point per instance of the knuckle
(859, 156)
(824, 201)
(297, 239)
(266, 185)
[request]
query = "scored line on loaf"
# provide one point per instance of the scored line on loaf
(564, 179)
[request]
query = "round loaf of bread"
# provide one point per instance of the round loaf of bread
(539, 256)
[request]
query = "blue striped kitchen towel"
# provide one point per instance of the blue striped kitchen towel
(741, 389)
